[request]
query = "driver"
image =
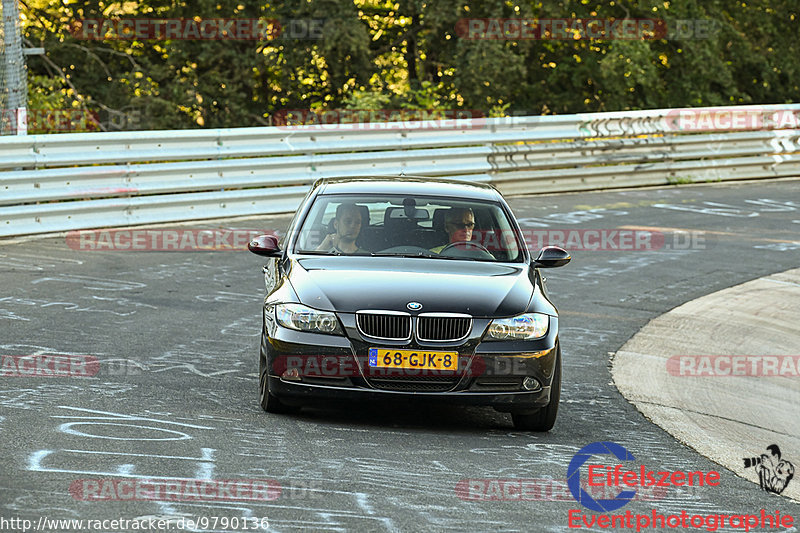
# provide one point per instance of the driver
(347, 224)
(458, 223)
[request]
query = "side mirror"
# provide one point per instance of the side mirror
(551, 257)
(265, 245)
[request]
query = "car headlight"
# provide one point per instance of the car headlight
(519, 328)
(302, 318)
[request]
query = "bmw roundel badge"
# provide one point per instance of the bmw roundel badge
(414, 306)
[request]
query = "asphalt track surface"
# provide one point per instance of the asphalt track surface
(177, 334)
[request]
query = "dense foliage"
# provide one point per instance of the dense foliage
(407, 54)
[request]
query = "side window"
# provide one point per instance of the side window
(329, 214)
(315, 226)
(495, 234)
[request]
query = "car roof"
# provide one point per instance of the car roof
(408, 185)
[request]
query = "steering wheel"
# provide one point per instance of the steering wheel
(470, 243)
(479, 246)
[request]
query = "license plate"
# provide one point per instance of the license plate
(412, 359)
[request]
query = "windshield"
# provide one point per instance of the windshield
(408, 226)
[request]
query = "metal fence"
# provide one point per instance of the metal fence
(52, 183)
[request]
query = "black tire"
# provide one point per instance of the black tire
(545, 418)
(266, 399)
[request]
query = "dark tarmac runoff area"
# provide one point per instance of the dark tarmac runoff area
(165, 423)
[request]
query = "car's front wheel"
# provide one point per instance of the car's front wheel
(545, 418)
(268, 401)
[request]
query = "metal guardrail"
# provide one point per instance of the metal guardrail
(62, 182)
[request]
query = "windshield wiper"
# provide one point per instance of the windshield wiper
(319, 252)
(430, 255)
(336, 252)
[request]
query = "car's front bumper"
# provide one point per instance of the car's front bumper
(306, 366)
(293, 392)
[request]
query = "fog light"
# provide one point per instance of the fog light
(530, 383)
(291, 375)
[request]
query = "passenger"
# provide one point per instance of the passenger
(347, 224)
(458, 223)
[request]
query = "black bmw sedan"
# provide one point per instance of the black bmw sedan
(409, 287)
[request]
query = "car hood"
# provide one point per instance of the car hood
(349, 284)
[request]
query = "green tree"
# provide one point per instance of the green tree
(410, 54)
